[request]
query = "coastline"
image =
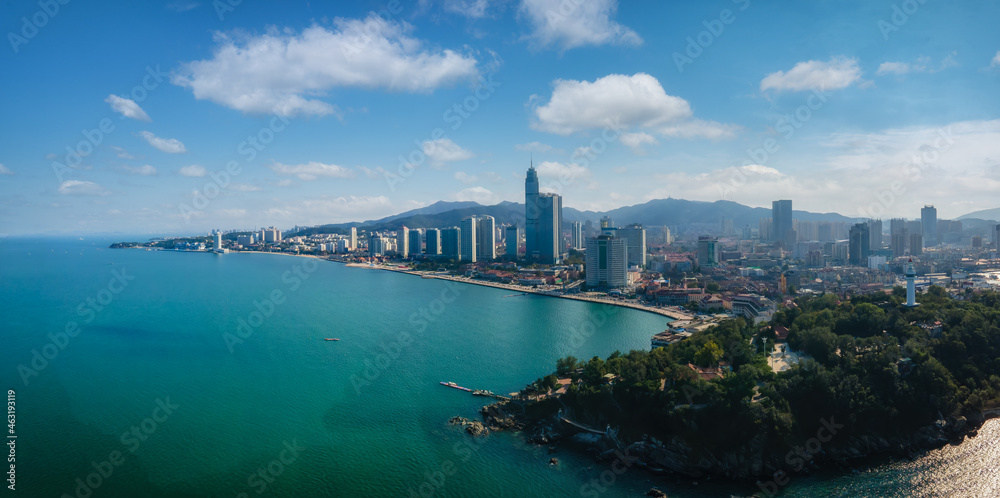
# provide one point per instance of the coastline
(674, 315)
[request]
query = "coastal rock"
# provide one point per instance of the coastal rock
(553, 461)
(656, 493)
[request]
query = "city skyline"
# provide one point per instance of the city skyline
(314, 114)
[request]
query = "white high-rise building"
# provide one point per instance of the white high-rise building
(607, 262)
(468, 247)
(576, 235)
(217, 238)
(486, 244)
(354, 238)
(403, 242)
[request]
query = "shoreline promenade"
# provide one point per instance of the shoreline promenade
(541, 292)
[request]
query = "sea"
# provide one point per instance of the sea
(130, 372)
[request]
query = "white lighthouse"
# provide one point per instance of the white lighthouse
(911, 288)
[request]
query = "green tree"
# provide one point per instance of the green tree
(708, 355)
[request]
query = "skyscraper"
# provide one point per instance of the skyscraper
(451, 242)
(928, 221)
(859, 246)
(468, 237)
(899, 238)
(414, 241)
(576, 235)
(433, 242)
(781, 216)
(607, 222)
(635, 239)
(532, 213)
(542, 222)
(354, 238)
(606, 262)
(403, 242)
(513, 240)
(875, 234)
(486, 244)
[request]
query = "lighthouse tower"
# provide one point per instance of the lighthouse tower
(911, 290)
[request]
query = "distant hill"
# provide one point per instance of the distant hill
(985, 214)
(670, 212)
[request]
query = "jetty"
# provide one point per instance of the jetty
(476, 392)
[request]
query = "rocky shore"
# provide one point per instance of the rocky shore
(750, 463)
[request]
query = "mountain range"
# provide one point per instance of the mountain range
(670, 212)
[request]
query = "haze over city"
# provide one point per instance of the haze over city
(218, 115)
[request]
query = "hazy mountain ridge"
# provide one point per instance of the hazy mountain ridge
(670, 212)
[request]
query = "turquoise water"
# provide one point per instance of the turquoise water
(273, 409)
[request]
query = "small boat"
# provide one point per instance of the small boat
(331, 339)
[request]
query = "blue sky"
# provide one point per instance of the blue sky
(344, 111)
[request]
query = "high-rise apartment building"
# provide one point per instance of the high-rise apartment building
(874, 234)
(576, 235)
(635, 239)
(451, 242)
(468, 249)
(513, 241)
(403, 242)
(486, 244)
(415, 245)
(433, 242)
(781, 218)
(859, 246)
(928, 223)
(709, 253)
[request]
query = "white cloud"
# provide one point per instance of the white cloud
(243, 187)
(635, 141)
(555, 176)
(996, 60)
(894, 68)
(616, 99)
(144, 170)
(127, 108)
(168, 145)
(481, 195)
(312, 170)
(376, 173)
(4, 170)
(839, 72)
(622, 103)
(193, 170)
(533, 147)
(444, 150)
(284, 183)
(569, 24)
(122, 153)
(697, 128)
(79, 187)
(474, 9)
(465, 178)
(283, 71)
